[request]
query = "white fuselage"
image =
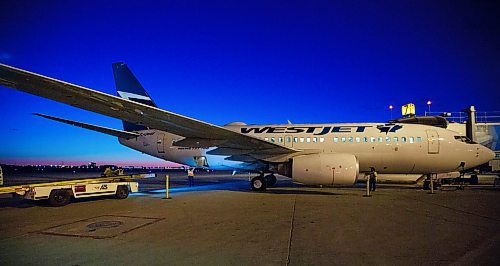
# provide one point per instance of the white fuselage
(390, 148)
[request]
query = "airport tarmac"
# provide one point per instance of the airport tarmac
(221, 222)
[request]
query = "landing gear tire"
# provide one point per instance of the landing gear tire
(271, 180)
(59, 197)
(258, 183)
(121, 192)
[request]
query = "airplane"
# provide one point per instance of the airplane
(315, 154)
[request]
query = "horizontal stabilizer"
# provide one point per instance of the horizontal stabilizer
(105, 130)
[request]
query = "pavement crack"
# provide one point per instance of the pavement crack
(291, 231)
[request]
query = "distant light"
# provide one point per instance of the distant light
(429, 105)
(390, 107)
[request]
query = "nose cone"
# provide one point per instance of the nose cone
(490, 154)
(478, 156)
(486, 155)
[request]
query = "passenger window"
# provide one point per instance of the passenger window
(372, 139)
(350, 139)
(267, 139)
(343, 139)
(358, 139)
(315, 139)
(366, 139)
(321, 139)
(272, 139)
(335, 139)
(280, 140)
(419, 139)
(380, 139)
(308, 140)
(387, 139)
(403, 139)
(395, 139)
(295, 139)
(411, 139)
(301, 140)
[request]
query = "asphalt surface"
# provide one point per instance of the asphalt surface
(221, 222)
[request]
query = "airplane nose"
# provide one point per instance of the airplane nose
(491, 154)
(486, 155)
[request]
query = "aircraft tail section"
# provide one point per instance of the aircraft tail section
(128, 87)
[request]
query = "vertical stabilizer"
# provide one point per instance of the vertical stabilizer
(128, 87)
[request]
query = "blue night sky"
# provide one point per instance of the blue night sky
(251, 61)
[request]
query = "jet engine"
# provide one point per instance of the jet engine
(324, 169)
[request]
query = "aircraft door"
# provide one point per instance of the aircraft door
(160, 141)
(433, 141)
(288, 141)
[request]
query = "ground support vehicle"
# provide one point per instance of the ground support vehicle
(61, 193)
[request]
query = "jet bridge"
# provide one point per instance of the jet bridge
(480, 127)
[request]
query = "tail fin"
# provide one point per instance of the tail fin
(128, 87)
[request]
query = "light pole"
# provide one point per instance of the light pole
(429, 105)
(390, 108)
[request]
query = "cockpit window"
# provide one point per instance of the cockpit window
(464, 139)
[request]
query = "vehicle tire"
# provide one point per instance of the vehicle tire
(121, 192)
(258, 183)
(59, 197)
(271, 180)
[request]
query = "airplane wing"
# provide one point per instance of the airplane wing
(197, 133)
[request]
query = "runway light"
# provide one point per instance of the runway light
(429, 104)
(390, 107)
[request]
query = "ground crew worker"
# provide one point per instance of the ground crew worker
(191, 177)
(373, 179)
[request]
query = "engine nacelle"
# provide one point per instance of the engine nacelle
(325, 169)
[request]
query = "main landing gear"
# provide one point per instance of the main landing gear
(261, 182)
(271, 180)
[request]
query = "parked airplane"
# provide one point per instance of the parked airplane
(326, 154)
